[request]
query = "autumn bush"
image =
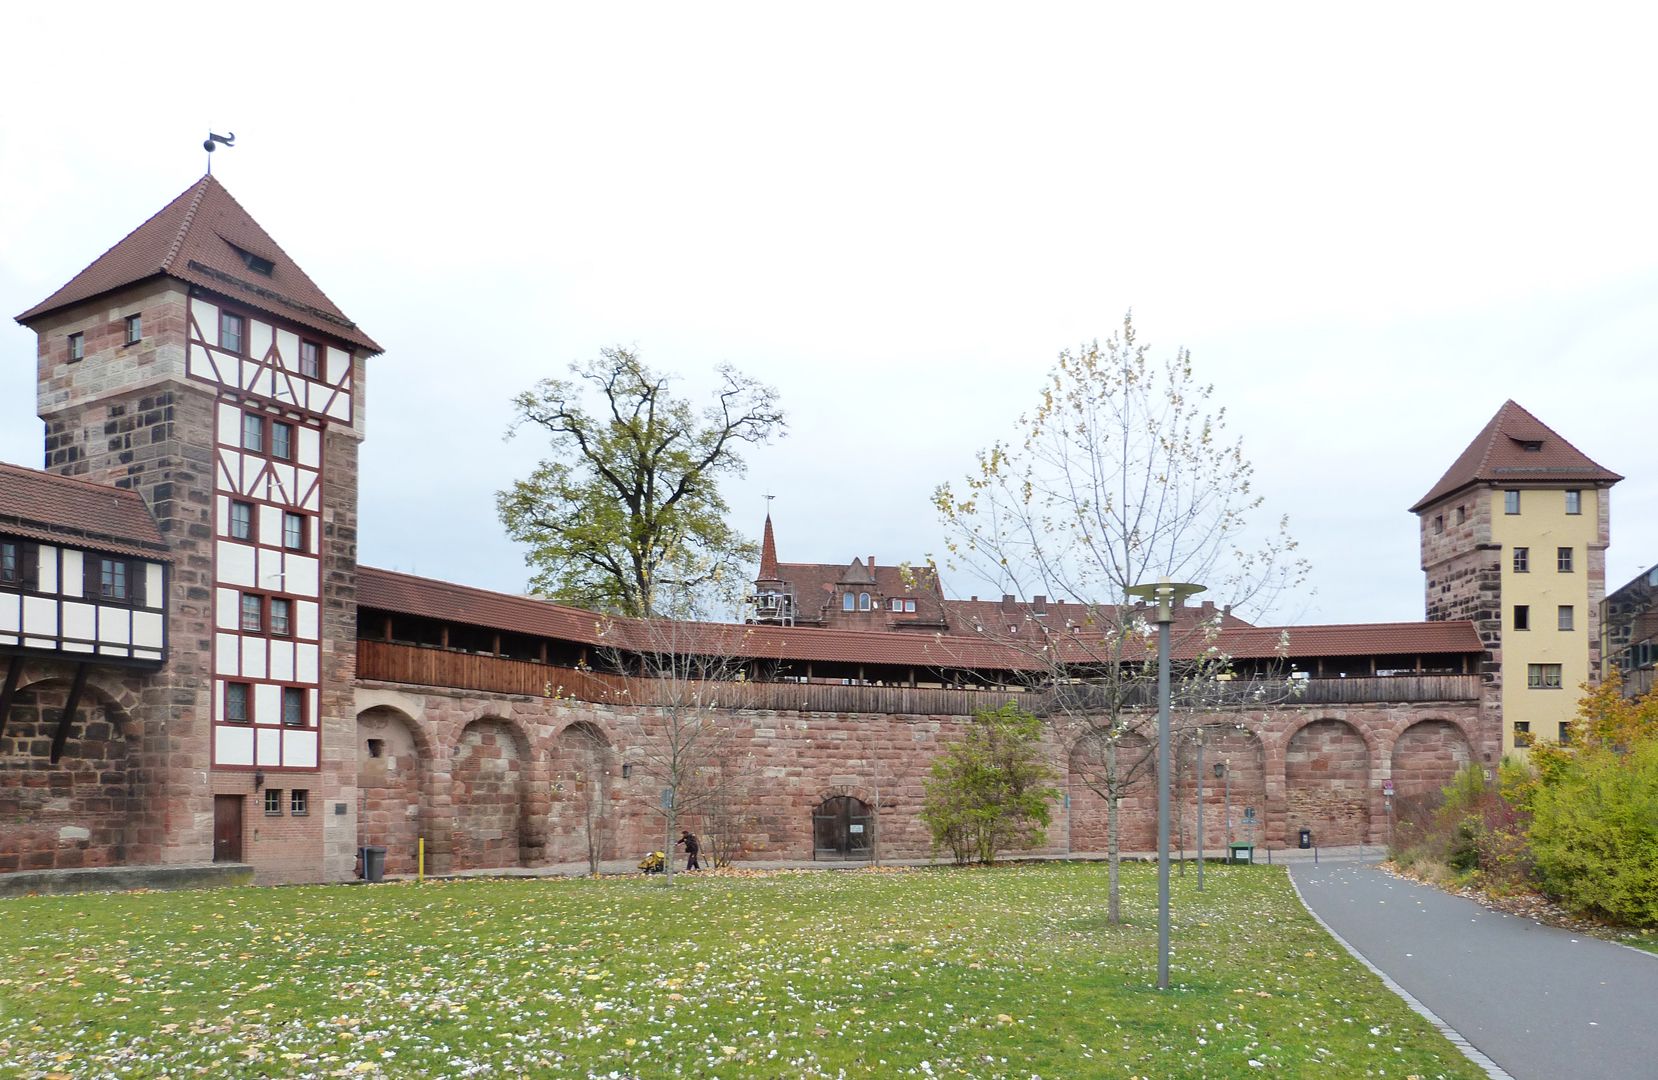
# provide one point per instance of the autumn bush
(1594, 834)
(990, 791)
(1471, 832)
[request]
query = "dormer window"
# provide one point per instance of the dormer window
(863, 601)
(849, 602)
(257, 263)
(1532, 446)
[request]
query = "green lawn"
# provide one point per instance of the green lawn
(1006, 972)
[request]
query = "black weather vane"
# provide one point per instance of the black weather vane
(222, 140)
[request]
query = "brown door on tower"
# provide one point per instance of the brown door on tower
(227, 828)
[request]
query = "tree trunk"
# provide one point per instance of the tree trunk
(1113, 858)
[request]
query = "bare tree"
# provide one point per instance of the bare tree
(585, 783)
(686, 679)
(1121, 476)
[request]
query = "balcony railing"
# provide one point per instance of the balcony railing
(379, 661)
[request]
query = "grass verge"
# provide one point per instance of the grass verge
(1005, 972)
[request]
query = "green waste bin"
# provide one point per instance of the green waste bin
(1240, 853)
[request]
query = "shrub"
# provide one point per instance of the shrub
(989, 792)
(1594, 833)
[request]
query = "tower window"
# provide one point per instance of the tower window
(253, 613)
(1565, 617)
(377, 748)
(241, 521)
(1563, 560)
(1543, 676)
(135, 329)
(1439, 523)
(863, 601)
(232, 329)
(1462, 514)
(238, 699)
(11, 563)
(1574, 502)
(77, 347)
(1511, 502)
(310, 359)
(1522, 616)
(253, 433)
(849, 602)
(1522, 733)
(282, 440)
(293, 531)
(1522, 560)
(281, 616)
(293, 706)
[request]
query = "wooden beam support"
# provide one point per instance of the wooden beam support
(61, 736)
(13, 670)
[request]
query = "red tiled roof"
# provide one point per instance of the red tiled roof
(817, 597)
(385, 590)
(195, 239)
(997, 615)
(1499, 454)
(77, 513)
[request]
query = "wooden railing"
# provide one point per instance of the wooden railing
(379, 661)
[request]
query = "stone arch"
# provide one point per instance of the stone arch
(83, 810)
(583, 808)
(1327, 783)
(1426, 755)
(489, 781)
(1241, 787)
(1088, 810)
(394, 766)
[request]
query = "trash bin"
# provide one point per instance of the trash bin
(1240, 853)
(1306, 838)
(374, 863)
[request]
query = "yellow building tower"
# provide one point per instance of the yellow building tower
(1514, 538)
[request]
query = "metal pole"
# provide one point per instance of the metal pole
(1228, 775)
(1163, 619)
(1200, 810)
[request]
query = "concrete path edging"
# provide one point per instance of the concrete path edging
(1468, 1050)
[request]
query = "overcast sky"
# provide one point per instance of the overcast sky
(1370, 227)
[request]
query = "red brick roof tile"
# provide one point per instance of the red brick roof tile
(385, 590)
(77, 513)
(195, 238)
(1500, 454)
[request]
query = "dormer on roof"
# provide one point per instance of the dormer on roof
(205, 238)
(1517, 448)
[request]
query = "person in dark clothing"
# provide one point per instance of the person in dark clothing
(691, 849)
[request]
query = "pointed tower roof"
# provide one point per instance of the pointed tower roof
(205, 238)
(858, 574)
(1516, 447)
(768, 555)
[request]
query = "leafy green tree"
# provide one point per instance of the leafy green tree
(627, 516)
(989, 792)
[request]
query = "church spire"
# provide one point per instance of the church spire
(768, 554)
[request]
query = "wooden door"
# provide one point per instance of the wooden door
(227, 828)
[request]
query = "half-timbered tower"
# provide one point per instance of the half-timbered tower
(196, 365)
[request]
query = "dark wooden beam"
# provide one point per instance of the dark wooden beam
(61, 736)
(13, 670)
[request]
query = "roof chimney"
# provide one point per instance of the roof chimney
(1039, 602)
(872, 564)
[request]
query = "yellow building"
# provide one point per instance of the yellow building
(1514, 538)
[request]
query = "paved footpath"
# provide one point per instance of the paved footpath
(1540, 1002)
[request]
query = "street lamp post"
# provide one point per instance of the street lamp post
(1167, 595)
(1224, 773)
(1199, 809)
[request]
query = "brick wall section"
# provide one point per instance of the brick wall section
(489, 778)
(389, 788)
(1463, 579)
(337, 700)
(155, 440)
(1427, 756)
(80, 811)
(1297, 766)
